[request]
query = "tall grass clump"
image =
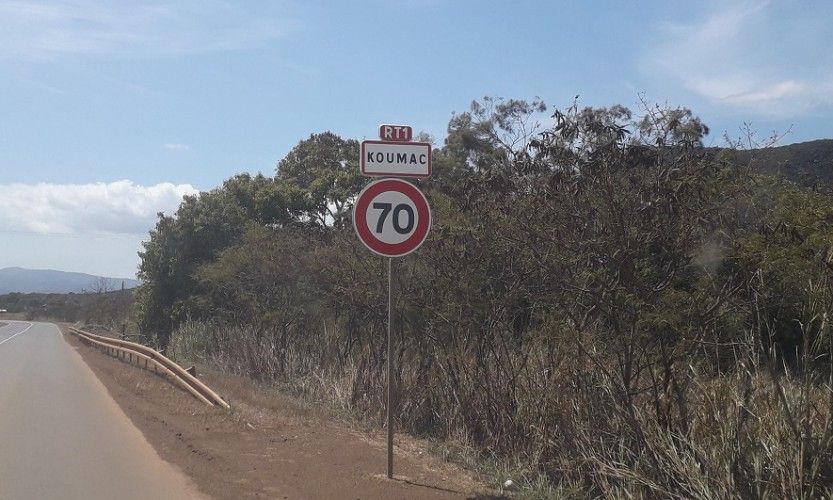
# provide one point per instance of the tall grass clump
(755, 429)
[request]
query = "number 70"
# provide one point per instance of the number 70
(397, 211)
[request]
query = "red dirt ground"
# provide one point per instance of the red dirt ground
(270, 445)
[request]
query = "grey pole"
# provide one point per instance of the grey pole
(390, 370)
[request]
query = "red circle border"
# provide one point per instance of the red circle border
(360, 217)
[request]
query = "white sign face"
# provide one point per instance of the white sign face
(406, 159)
(392, 217)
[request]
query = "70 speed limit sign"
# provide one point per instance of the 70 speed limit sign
(391, 217)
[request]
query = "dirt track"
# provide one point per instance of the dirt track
(269, 445)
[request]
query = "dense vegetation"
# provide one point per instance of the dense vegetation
(105, 307)
(601, 300)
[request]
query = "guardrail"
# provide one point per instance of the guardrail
(153, 360)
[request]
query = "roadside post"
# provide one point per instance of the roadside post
(392, 217)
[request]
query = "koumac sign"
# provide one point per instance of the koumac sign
(399, 159)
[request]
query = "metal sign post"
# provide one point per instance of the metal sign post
(392, 218)
(390, 368)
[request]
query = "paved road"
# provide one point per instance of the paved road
(62, 436)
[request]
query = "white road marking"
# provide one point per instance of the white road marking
(18, 333)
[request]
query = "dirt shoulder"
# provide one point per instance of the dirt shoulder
(269, 445)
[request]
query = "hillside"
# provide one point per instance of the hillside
(807, 163)
(15, 279)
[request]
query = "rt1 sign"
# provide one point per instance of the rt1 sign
(397, 133)
(391, 217)
(399, 159)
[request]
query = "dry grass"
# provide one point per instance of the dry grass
(560, 425)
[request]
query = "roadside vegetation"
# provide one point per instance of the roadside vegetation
(603, 307)
(105, 306)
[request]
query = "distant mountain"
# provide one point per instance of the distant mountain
(15, 279)
(807, 163)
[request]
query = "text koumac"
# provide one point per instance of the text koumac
(400, 158)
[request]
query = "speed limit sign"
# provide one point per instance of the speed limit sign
(391, 217)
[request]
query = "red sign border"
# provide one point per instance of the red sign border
(366, 236)
(390, 174)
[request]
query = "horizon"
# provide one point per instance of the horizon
(116, 110)
(115, 278)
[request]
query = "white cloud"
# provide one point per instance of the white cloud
(120, 207)
(761, 57)
(774, 92)
(44, 29)
(175, 146)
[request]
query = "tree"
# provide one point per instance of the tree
(485, 144)
(263, 281)
(788, 255)
(204, 225)
(325, 170)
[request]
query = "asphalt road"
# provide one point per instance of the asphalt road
(62, 436)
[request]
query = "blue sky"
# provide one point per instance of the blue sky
(125, 106)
